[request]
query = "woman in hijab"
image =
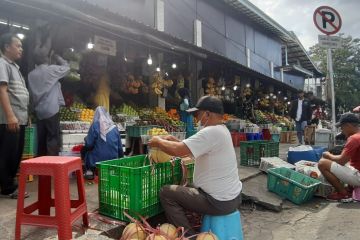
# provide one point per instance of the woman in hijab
(103, 142)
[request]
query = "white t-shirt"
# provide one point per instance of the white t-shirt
(216, 170)
(299, 110)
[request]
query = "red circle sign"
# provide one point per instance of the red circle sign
(327, 20)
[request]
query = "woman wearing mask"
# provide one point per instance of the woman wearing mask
(185, 117)
(103, 142)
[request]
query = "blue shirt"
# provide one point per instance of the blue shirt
(111, 149)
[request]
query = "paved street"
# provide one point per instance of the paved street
(318, 219)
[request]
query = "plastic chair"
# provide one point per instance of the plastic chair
(67, 211)
(356, 194)
(226, 227)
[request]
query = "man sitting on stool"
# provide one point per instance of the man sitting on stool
(335, 168)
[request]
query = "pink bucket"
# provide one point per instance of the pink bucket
(356, 194)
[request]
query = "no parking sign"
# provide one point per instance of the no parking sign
(327, 20)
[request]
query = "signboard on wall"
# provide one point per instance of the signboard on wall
(104, 45)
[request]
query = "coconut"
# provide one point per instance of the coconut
(206, 236)
(159, 156)
(155, 236)
(133, 231)
(169, 230)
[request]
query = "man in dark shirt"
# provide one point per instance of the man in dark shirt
(301, 112)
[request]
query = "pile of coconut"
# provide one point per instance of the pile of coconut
(143, 231)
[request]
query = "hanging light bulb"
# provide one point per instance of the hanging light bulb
(235, 87)
(21, 36)
(173, 66)
(158, 69)
(71, 49)
(271, 94)
(223, 88)
(90, 45)
(285, 98)
(267, 97)
(166, 74)
(248, 85)
(288, 103)
(149, 61)
(125, 58)
(279, 92)
(274, 97)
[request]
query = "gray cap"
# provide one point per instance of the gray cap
(208, 103)
(348, 118)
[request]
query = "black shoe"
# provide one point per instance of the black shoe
(89, 175)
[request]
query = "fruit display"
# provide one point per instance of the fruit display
(87, 115)
(247, 92)
(266, 118)
(135, 85)
(211, 87)
(173, 114)
(264, 102)
(158, 83)
(66, 114)
(77, 105)
(157, 132)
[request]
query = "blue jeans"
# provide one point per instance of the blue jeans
(300, 126)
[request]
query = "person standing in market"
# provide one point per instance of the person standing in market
(344, 168)
(217, 186)
(301, 112)
(47, 98)
(14, 101)
(103, 142)
(185, 103)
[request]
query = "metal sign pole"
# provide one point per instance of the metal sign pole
(331, 74)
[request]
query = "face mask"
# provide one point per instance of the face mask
(199, 124)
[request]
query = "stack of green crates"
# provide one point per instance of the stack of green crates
(29, 143)
(251, 152)
(294, 186)
(131, 184)
(273, 149)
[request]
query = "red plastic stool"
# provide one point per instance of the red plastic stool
(59, 168)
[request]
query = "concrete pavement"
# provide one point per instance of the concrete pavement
(317, 219)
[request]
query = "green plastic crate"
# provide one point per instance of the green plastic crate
(137, 131)
(132, 185)
(29, 143)
(273, 149)
(251, 152)
(294, 186)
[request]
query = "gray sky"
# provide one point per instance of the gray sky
(297, 16)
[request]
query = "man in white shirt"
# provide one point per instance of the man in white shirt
(217, 186)
(301, 112)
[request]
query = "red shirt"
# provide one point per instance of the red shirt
(352, 150)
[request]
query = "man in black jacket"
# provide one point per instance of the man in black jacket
(301, 112)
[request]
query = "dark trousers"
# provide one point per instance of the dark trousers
(11, 150)
(48, 135)
(176, 199)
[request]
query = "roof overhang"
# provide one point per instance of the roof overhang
(295, 48)
(124, 27)
(298, 70)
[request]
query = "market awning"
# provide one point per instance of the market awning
(97, 17)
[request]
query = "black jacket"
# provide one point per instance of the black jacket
(306, 110)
